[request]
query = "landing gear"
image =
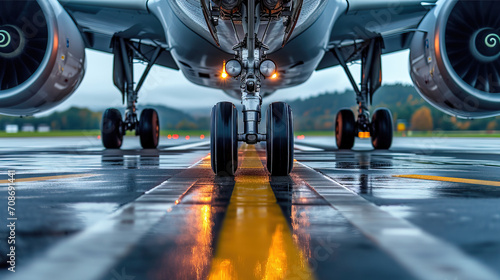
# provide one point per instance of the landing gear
(345, 129)
(280, 139)
(112, 129)
(148, 126)
(224, 139)
(149, 129)
(380, 126)
(381, 129)
(250, 66)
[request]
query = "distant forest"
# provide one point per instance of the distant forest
(318, 113)
(313, 113)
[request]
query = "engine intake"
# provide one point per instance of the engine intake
(42, 56)
(455, 60)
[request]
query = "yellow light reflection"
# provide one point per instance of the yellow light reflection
(255, 241)
(276, 266)
(193, 251)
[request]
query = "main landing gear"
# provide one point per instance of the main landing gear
(380, 127)
(147, 127)
(250, 65)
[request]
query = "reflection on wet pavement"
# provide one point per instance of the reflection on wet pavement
(163, 220)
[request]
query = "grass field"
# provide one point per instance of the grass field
(95, 133)
(206, 133)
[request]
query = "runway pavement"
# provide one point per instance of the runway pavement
(428, 208)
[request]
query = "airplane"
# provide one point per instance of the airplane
(249, 49)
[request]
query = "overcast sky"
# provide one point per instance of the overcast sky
(164, 85)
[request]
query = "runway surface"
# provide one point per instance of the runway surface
(428, 208)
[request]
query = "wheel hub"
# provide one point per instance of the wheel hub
(12, 41)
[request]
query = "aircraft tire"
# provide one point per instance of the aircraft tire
(112, 129)
(382, 129)
(280, 139)
(149, 129)
(224, 139)
(345, 129)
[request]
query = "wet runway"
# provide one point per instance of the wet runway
(429, 208)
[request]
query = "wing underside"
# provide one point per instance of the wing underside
(100, 20)
(394, 22)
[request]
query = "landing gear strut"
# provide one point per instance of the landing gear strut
(250, 65)
(379, 128)
(148, 126)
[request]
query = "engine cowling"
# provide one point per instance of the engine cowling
(455, 58)
(42, 56)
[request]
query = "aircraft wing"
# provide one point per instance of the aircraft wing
(394, 21)
(100, 20)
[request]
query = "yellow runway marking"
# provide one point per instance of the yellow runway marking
(255, 241)
(450, 179)
(37, 179)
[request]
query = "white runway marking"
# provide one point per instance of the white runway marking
(188, 146)
(307, 148)
(92, 253)
(422, 254)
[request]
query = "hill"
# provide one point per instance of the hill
(313, 113)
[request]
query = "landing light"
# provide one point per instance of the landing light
(233, 68)
(268, 69)
(224, 73)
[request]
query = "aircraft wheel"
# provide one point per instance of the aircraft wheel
(280, 139)
(149, 129)
(224, 139)
(345, 129)
(112, 129)
(381, 129)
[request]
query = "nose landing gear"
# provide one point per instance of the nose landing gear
(250, 66)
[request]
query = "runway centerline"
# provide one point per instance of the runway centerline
(255, 241)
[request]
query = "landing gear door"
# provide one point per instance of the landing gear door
(376, 71)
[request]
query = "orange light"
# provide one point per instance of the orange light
(274, 76)
(224, 73)
(202, 137)
(364, 134)
(169, 136)
(301, 137)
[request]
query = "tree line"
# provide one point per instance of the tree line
(312, 113)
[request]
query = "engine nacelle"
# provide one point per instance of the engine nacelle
(455, 58)
(42, 56)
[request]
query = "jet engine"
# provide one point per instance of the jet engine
(42, 56)
(455, 58)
